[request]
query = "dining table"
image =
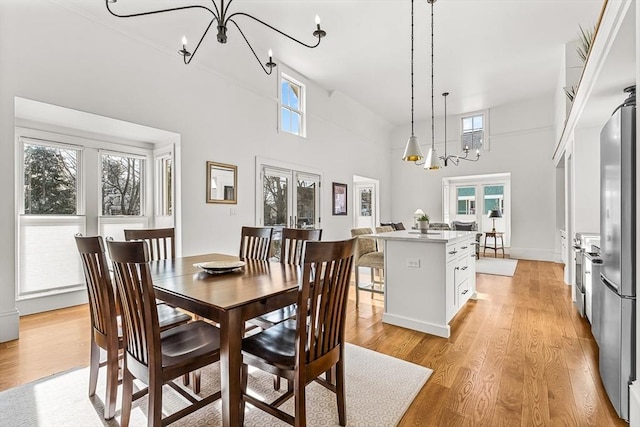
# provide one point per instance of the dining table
(229, 298)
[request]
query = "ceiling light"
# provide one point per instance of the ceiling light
(220, 15)
(412, 151)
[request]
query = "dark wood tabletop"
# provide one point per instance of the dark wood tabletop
(227, 298)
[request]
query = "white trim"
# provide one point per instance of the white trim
(634, 404)
(52, 302)
(532, 254)
(417, 325)
(9, 325)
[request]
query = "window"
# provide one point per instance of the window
(164, 185)
(292, 118)
(49, 217)
(121, 185)
(493, 198)
(466, 200)
(474, 130)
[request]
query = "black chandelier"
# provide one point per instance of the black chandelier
(221, 16)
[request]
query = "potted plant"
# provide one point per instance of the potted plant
(423, 223)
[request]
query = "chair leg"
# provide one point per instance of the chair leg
(342, 412)
(154, 414)
(243, 383)
(276, 382)
(94, 365)
(357, 286)
(127, 396)
(300, 410)
(112, 384)
(185, 379)
(196, 381)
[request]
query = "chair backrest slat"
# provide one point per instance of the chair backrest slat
(161, 241)
(135, 288)
(292, 243)
(255, 243)
(322, 299)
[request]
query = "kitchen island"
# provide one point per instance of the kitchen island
(428, 278)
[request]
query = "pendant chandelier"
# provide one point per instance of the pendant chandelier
(412, 152)
(220, 15)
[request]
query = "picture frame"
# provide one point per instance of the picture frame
(339, 198)
(222, 183)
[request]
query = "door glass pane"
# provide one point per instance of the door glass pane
(365, 202)
(275, 200)
(50, 180)
(121, 185)
(306, 202)
(466, 201)
(493, 198)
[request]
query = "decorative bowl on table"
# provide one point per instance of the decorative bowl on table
(217, 267)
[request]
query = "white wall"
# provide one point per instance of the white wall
(50, 54)
(586, 149)
(521, 140)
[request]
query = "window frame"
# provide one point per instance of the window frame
(485, 129)
(302, 131)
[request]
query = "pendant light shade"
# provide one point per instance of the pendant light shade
(412, 152)
(432, 162)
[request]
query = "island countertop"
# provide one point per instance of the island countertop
(435, 236)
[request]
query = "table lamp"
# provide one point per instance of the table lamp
(493, 214)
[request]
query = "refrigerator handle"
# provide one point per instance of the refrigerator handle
(609, 284)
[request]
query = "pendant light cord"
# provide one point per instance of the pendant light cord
(412, 133)
(433, 144)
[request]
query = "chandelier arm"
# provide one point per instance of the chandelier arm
(229, 18)
(153, 12)
(225, 9)
(215, 6)
(187, 62)
(251, 48)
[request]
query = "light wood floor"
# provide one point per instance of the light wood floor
(519, 355)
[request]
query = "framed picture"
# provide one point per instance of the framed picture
(339, 199)
(222, 182)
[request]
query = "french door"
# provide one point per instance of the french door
(289, 199)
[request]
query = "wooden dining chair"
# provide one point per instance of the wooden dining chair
(104, 309)
(153, 357)
(161, 241)
(291, 252)
(303, 349)
(255, 243)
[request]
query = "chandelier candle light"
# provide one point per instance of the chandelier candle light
(221, 16)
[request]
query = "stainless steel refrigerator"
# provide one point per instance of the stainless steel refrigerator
(617, 230)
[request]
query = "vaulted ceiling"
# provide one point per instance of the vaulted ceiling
(487, 52)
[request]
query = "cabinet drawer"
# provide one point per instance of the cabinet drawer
(461, 270)
(464, 292)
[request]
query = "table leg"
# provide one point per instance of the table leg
(231, 331)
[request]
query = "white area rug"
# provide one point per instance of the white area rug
(496, 266)
(379, 390)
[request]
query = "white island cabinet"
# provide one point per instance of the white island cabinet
(428, 278)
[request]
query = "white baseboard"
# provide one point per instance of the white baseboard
(533, 254)
(9, 325)
(634, 404)
(51, 302)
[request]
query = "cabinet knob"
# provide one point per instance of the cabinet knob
(464, 247)
(464, 268)
(457, 268)
(465, 291)
(453, 252)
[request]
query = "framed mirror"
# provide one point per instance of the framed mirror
(222, 183)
